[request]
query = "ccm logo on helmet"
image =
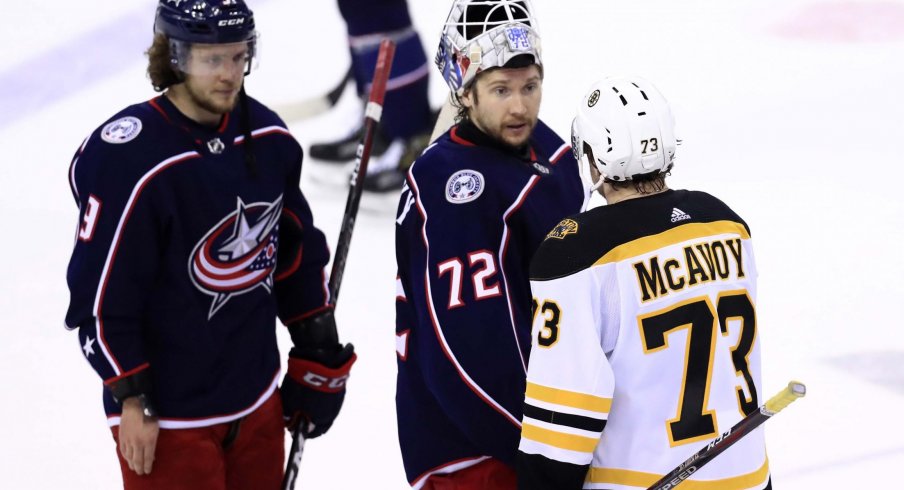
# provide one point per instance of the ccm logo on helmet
(231, 22)
(324, 383)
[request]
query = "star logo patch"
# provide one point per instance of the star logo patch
(89, 346)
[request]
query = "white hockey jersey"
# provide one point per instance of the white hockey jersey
(645, 348)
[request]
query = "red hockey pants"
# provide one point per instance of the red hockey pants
(239, 455)
(486, 475)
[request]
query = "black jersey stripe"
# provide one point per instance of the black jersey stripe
(678, 234)
(635, 226)
(574, 421)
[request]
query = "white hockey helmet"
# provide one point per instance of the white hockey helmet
(483, 34)
(628, 128)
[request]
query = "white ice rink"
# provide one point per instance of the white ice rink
(790, 110)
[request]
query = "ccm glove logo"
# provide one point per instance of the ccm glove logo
(324, 383)
(316, 376)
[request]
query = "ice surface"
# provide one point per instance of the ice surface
(790, 111)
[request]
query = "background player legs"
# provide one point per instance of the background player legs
(407, 118)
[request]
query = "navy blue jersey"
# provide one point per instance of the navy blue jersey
(185, 256)
(470, 219)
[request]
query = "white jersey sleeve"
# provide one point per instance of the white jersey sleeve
(570, 382)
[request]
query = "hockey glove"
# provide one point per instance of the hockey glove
(314, 387)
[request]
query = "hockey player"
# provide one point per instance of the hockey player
(477, 204)
(645, 343)
(407, 119)
(190, 241)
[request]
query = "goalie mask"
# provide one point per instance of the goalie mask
(224, 29)
(483, 34)
(624, 127)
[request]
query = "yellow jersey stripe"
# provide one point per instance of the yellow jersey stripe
(559, 439)
(615, 476)
(569, 398)
(678, 234)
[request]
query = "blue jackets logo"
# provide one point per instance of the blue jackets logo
(238, 254)
(121, 130)
(464, 186)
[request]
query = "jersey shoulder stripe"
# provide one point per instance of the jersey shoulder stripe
(615, 232)
(647, 244)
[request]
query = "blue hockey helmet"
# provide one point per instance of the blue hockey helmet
(186, 22)
(205, 21)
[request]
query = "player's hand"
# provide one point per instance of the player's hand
(314, 387)
(137, 436)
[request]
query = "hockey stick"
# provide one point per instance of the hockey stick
(372, 116)
(792, 392)
(314, 106)
(445, 119)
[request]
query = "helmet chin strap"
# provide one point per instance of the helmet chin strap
(598, 183)
(475, 55)
(587, 195)
(590, 186)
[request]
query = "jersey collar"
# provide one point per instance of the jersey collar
(468, 134)
(171, 113)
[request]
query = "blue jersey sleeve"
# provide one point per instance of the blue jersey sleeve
(301, 280)
(116, 254)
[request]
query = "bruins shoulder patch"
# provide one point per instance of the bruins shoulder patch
(564, 228)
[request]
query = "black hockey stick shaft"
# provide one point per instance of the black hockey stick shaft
(373, 112)
(294, 461)
(792, 392)
(372, 116)
(333, 95)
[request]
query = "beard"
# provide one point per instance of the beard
(515, 141)
(209, 103)
(501, 131)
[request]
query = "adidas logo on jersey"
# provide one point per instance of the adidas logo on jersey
(679, 215)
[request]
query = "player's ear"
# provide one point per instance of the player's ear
(467, 98)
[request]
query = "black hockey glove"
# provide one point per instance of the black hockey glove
(314, 388)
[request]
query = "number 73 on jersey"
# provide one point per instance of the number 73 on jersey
(703, 320)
